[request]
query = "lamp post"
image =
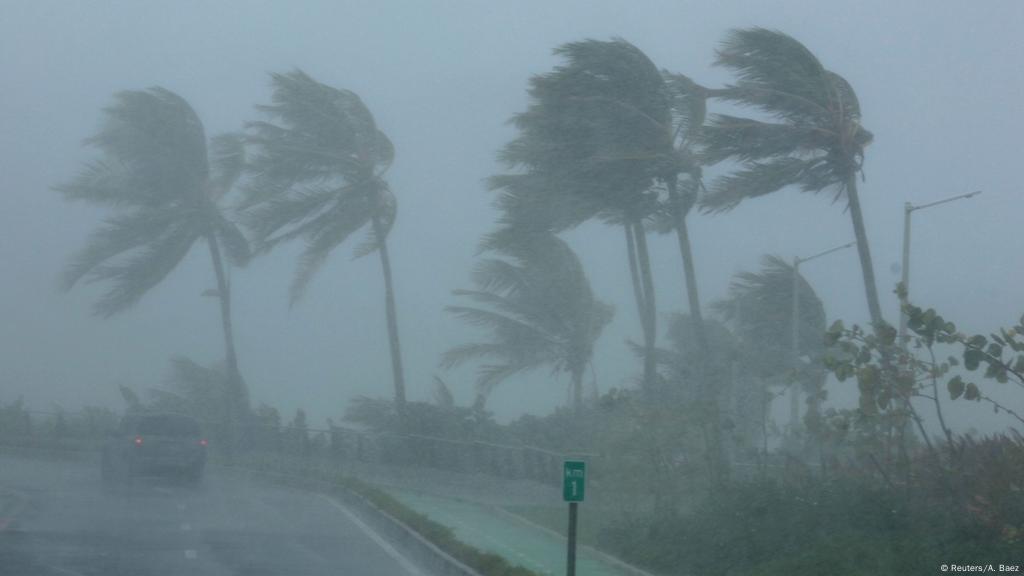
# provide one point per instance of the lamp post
(909, 209)
(794, 397)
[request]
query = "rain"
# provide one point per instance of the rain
(510, 289)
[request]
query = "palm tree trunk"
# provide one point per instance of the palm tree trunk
(650, 309)
(237, 405)
(634, 274)
(693, 298)
(709, 392)
(392, 318)
(577, 389)
(239, 394)
(864, 251)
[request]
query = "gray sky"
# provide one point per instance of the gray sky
(940, 85)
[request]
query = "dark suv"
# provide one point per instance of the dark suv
(155, 443)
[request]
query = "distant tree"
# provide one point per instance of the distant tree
(193, 389)
(317, 174)
(538, 308)
(298, 433)
(165, 189)
(815, 140)
(678, 362)
(203, 392)
(759, 306)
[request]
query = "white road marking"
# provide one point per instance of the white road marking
(191, 554)
(388, 548)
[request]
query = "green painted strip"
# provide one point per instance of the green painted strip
(517, 542)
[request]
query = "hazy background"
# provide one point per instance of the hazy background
(940, 85)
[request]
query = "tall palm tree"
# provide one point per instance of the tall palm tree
(165, 189)
(318, 174)
(591, 145)
(538, 307)
(813, 138)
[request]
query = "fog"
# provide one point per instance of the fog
(940, 87)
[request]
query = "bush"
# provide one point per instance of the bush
(834, 527)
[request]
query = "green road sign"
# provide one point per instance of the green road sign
(573, 480)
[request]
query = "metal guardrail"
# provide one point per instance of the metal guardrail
(72, 431)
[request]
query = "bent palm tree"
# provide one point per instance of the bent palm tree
(591, 145)
(815, 140)
(165, 188)
(760, 308)
(538, 306)
(318, 175)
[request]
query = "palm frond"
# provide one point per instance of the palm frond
(776, 72)
(458, 355)
(689, 106)
(108, 183)
(159, 142)
(134, 275)
(817, 120)
(284, 216)
(760, 306)
(536, 306)
(323, 132)
(120, 234)
(598, 130)
(490, 376)
(750, 140)
(325, 232)
(753, 180)
(227, 162)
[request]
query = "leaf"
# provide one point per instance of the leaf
(955, 387)
(972, 392)
(995, 350)
(972, 358)
(887, 334)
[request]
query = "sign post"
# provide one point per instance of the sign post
(574, 475)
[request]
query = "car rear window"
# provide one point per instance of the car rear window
(167, 426)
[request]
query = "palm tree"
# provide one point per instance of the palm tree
(165, 189)
(679, 362)
(318, 175)
(591, 145)
(813, 140)
(539, 309)
(760, 308)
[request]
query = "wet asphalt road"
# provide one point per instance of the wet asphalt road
(57, 518)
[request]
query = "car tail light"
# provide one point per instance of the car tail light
(203, 442)
(138, 440)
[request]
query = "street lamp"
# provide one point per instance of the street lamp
(794, 397)
(908, 209)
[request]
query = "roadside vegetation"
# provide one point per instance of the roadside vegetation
(691, 472)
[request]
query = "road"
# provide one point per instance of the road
(56, 518)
